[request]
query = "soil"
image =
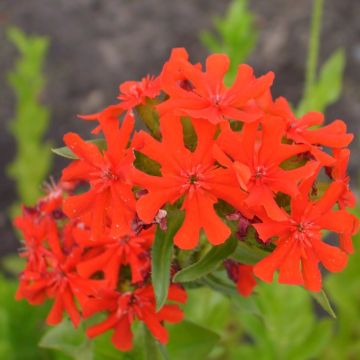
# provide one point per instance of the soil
(97, 44)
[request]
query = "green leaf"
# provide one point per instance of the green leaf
(190, 341)
(144, 163)
(67, 153)
(152, 349)
(150, 117)
(235, 34)
(248, 254)
(20, 323)
(161, 256)
(327, 89)
(72, 342)
(323, 300)
(208, 263)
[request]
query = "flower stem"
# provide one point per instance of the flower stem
(313, 52)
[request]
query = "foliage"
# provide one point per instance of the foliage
(21, 326)
(31, 117)
(327, 87)
(236, 35)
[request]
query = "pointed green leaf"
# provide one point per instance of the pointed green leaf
(248, 254)
(208, 263)
(67, 153)
(161, 256)
(323, 300)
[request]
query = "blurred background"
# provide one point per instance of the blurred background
(67, 57)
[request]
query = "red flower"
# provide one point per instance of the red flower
(242, 275)
(299, 240)
(302, 131)
(116, 252)
(256, 157)
(205, 96)
(110, 195)
(57, 280)
(124, 308)
(339, 173)
(193, 176)
(133, 93)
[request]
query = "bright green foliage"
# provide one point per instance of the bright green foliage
(286, 327)
(208, 263)
(21, 326)
(236, 36)
(327, 87)
(344, 289)
(33, 158)
(162, 255)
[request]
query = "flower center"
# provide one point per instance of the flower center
(260, 172)
(109, 175)
(193, 179)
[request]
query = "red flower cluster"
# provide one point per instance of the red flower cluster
(216, 150)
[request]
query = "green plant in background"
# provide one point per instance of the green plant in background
(31, 119)
(322, 88)
(236, 35)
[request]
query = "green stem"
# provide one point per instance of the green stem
(313, 52)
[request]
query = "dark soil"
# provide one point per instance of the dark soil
(97, 44)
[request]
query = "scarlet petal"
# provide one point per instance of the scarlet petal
(289, 272)
(332, 257)
(216, 231)
(269, 229)
(100, 328)
(310, 271)
(246, 282)
(187, 236)
(149, 204)
(328, 200)
(77, 170)
(262, 195)
(216, 67)
(338, 221)
(156, 328)
(76, 205)
(123, 336)
(84, 150)
(56, 312)
(265, 268)
(177, 293)
(170, 313)
(70, 307)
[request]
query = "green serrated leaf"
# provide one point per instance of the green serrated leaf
(161, 257)
(323, 300)
(208, 263)
(67, 153)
